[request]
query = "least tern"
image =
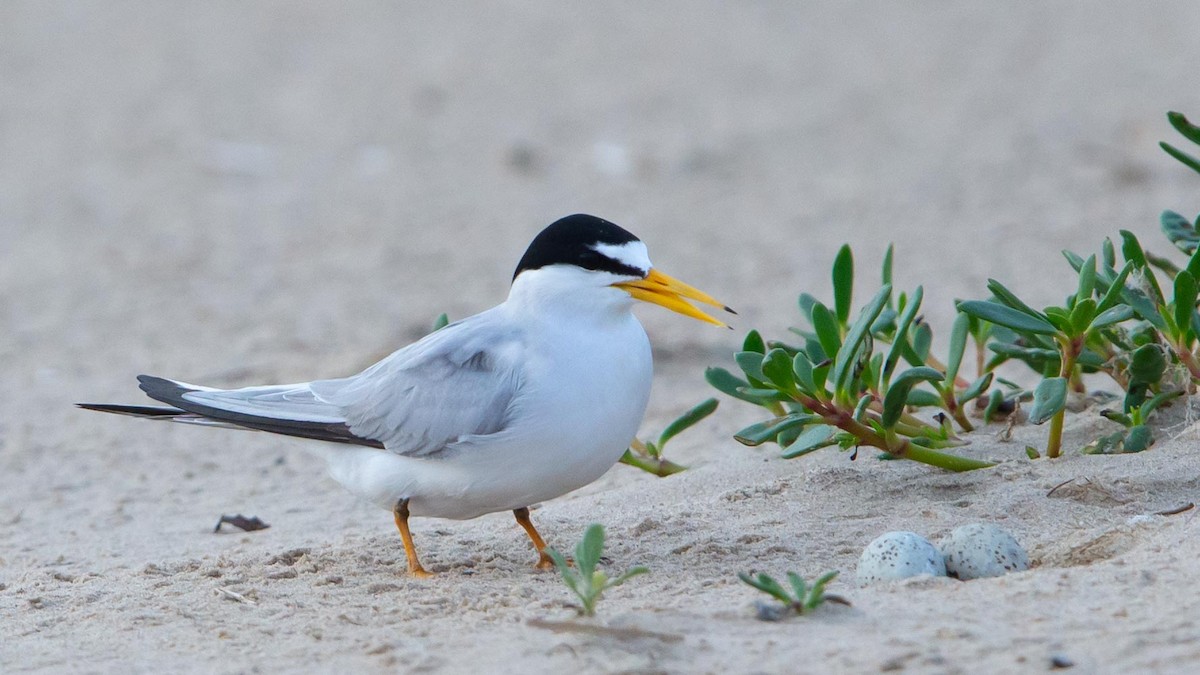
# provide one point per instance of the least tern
(522, 403)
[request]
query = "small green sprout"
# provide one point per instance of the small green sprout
(585, 581)
(1136, 436)
(801, 600)
(647, 455)
(440, 322)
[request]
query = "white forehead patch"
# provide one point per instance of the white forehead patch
(632, 253)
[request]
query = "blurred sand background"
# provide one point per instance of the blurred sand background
(236, 193)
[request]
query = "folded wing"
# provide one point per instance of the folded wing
(458, 382)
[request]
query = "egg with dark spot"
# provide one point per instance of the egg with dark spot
(899, 555)
(982, 550)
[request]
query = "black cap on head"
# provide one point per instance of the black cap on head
(572, 241)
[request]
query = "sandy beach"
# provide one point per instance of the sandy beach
(236, 194)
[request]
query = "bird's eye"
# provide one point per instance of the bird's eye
(589, 260)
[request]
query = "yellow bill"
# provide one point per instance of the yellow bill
(662, 290)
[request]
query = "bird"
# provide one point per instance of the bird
(519, 404)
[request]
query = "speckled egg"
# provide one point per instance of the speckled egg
(899, 555)
(982, 550)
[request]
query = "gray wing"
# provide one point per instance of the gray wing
(459, 381)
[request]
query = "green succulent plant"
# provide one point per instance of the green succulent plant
(838, 389)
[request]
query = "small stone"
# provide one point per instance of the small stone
(769, 611)
(1060, 661)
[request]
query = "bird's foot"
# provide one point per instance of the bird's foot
(545, 562)
(420, 573)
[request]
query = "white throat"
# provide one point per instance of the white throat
(566, 292)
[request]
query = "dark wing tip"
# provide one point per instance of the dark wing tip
(167, 391)
(149, 383)
(170, 392)
(135, 410)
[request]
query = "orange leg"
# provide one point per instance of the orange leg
(544, 562)
(400, 511)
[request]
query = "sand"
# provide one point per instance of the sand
(236, 194)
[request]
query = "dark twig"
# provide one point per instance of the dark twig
(1062, 484)
(242, 523)
(1178, 509)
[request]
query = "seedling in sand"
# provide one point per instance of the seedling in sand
(585, 581)
(1136, 436)
(647, 455)
(801, 599)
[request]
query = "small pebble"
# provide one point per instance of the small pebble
(899, 555)
(982, 550)
(770, 611)
(1059, 661)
